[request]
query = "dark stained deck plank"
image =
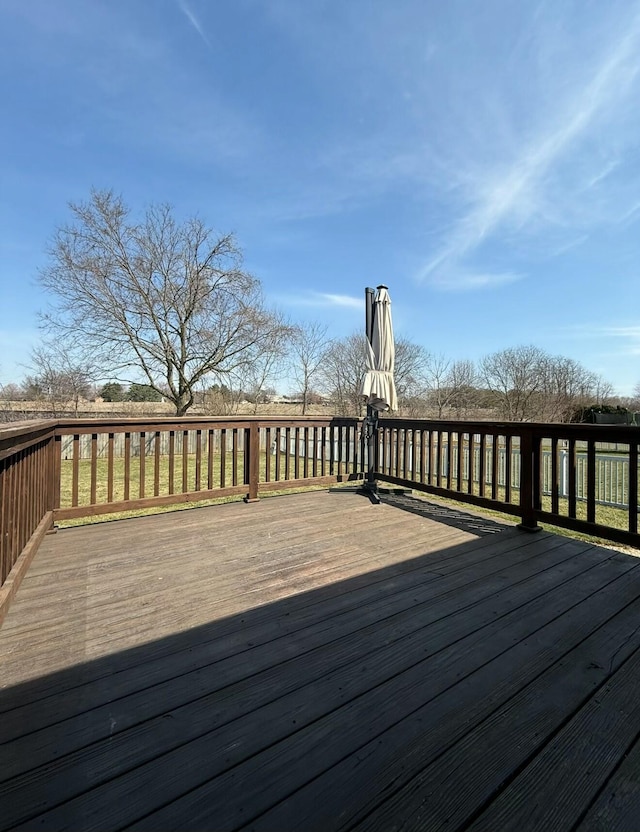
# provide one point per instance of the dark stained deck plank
(328, 665)
(554, 789)
(290, 664)
(617, 807)
(511, 734)
(134, 671)
(307, 782)
(151, 613)
(372, 619)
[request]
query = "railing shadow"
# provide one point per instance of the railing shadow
(448, 515)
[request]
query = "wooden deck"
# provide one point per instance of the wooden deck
(315, 662)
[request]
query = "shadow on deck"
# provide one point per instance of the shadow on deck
(315, 662)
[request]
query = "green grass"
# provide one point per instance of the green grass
(84, 477)
(101, 477)
(605, 515)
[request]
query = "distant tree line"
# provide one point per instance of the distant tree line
(522, 383)
(168, 302)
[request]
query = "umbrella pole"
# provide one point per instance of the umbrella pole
(371, 420)
(372, 438)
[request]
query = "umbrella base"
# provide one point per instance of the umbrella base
(371, 490)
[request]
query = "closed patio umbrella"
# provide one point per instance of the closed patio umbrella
(379, 387)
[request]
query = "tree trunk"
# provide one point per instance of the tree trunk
(183, 403)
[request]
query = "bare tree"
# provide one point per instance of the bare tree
(308, 347)
(164, 298)
(342, 374)
(565, 387)
(258, 375)
(528, 383)
(514, 376)
(11, 392)
(345, 364)
(604, 391)
(410, 370)
(9, 395)
(461, 381)
(438, 369)
(59, 377)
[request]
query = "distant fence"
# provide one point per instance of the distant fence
(612, 472)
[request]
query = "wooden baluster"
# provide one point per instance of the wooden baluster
(210, 450)
(508, 468)
(127, 465)
(494, 465)
(156, 464)
(591, 481)
(234, 456)
(314, 463)
(172, 460)
(94, 468)
(185, 461)
(110, 454)
(223, 457)
(555, 478)
(198, 460)
(633, 487)
(75, 471)
(143, 462)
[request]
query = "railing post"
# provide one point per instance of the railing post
(529, 465)
(253, 437)
(54, 449)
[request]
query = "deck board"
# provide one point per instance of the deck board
(318, 662)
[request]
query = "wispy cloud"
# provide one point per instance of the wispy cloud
(193, 20)
(627, 336)
(461, 280)
(323, 299)
(509, 198)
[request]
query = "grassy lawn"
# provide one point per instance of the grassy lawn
(606, 515)
(135, 478)
(163, 476)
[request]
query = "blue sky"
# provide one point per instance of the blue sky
(480, 158)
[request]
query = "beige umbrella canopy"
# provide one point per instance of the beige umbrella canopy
(379, 387)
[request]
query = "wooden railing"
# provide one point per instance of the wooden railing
(106, 466)
(582, 477)
(559, 474)
(26, 499)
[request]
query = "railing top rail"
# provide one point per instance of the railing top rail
(12, 430)
(20, 435)
(603, 433)
(66, 426)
